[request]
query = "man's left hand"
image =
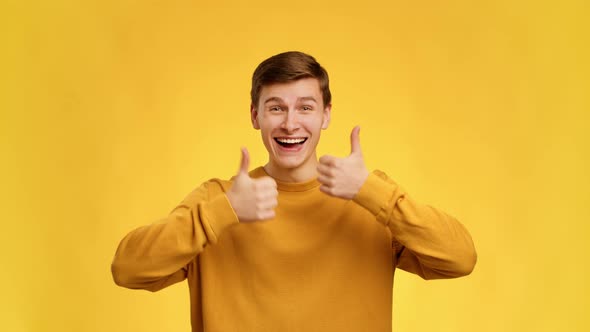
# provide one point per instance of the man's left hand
(343, 177)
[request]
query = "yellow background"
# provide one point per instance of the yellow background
(112, 111)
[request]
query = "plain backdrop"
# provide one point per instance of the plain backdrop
(113, 111)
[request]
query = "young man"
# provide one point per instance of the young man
(300, 244)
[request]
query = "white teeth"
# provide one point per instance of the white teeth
(290, 140)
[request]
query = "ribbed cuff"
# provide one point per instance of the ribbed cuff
(375, 195)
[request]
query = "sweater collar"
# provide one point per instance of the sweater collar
(287, 186)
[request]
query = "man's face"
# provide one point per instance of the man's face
(290, 117)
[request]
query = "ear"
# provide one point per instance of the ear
(254, 116)
(326, 115)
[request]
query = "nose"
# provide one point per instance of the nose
(290, 121)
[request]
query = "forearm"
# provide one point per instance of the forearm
(154, 256)
(436, 245)
(436, 241)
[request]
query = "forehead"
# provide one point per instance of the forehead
(292, 91)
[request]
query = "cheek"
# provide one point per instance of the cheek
(270, 124)
(312, 124)
(267, 131)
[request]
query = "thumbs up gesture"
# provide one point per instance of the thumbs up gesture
(252, 199)
(343, 177)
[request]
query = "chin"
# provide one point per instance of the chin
(289, 163)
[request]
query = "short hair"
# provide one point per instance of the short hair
(287, 67)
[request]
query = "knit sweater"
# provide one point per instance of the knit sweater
(321, 264)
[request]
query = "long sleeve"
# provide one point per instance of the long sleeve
(427, 241)
(155, 256)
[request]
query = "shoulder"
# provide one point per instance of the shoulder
(207, 190)
(258, 172)
(216, 186)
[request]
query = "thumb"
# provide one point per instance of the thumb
(245, 162)
(355, 142)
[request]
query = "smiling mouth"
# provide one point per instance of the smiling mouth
(290, 142)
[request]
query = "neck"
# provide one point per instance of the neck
(303, 173)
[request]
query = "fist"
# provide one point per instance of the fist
(252, 199)
(343, 177)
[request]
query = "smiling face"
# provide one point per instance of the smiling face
(290, 117)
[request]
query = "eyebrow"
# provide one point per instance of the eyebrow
(279, 100)
(308, 98)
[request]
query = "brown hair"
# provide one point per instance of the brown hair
(287, 67)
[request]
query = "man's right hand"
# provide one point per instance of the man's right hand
(252, 199)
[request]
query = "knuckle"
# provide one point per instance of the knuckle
(327, 160)
(271, 194)
(266, 215)
(266, 185)
(267, 181)
(254, 186)
(259, 185)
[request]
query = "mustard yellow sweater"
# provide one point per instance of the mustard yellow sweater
(322, 264)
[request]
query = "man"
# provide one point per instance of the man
(300, 244)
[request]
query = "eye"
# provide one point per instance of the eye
(307, 108)
(275, 108)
